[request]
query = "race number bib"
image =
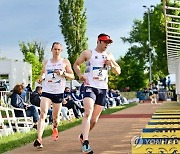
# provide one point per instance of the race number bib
(52, 77)
(100, 73)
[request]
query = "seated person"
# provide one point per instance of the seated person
(18, 102)
(71, 104)
(76, 98)
(110, 97)
(35, 99)
(117, 96)
(65, 111)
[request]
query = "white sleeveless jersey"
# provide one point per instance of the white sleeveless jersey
(54, 84)
(96, 71)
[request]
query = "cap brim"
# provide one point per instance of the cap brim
(109, 40)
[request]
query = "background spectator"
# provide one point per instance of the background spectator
(28, 92)
(5, 85)
(18, 102)
(71, 103)
(35, 99)
(164, 83)
(169, 83)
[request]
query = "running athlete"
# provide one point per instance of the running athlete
(153, 93)
(54, 73)
(95, 78)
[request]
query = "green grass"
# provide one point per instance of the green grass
(118, 108)
(20, 139)
(15, 140)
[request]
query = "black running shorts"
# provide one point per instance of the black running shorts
(98, 95)
(55, 98)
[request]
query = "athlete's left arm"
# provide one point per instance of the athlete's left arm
(68, 73)
(114, 66)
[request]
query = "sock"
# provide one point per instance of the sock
(85, 142)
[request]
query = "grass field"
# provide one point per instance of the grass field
(15, 140)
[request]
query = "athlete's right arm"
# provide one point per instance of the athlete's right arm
(42, 75)
(84, 56)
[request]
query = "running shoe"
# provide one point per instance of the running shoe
(81, 138)
(55, 135)
(86, 148)
(38, 144)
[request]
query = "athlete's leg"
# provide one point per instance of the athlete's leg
(88, 107)
(45, 104)
(95, 116)
(56, 113)
(155, 98)
(151, 98)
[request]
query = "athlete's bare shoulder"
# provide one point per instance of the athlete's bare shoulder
(65, 60)
(45, 61)
(110, 55)
(86, 54)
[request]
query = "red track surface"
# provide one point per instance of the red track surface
(126, 116)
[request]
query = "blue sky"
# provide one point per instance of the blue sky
(38, 20)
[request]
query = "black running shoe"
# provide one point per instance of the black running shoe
(81, 138)
(38, 144)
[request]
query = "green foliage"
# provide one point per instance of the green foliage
(36, 65)
(33, 54)
(72, 18)
(132, 74)
(135, 64)
(34, 47)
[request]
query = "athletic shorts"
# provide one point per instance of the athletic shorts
(155, 92)
(98, 95)
(150, 93)
(55, 98)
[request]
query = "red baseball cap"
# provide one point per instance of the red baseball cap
(105, 37)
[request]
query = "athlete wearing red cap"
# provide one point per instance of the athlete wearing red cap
(95, 78)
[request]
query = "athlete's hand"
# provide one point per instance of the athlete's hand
(42, 77)
(108, 62)
(26, 107)
(82, 77)
(64, 101)
(59, 72)
(40, 80)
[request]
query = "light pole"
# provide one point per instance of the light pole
(149, 39)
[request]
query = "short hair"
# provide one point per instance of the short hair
(67, 88)
(54, 44)
(38, 88)
(103, 34)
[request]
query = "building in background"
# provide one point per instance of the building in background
(15, 72)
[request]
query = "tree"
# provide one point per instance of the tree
(34, 54)
(137, 57)
(34, 47)
(36, 66)
(72, 16)
(132, 74)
